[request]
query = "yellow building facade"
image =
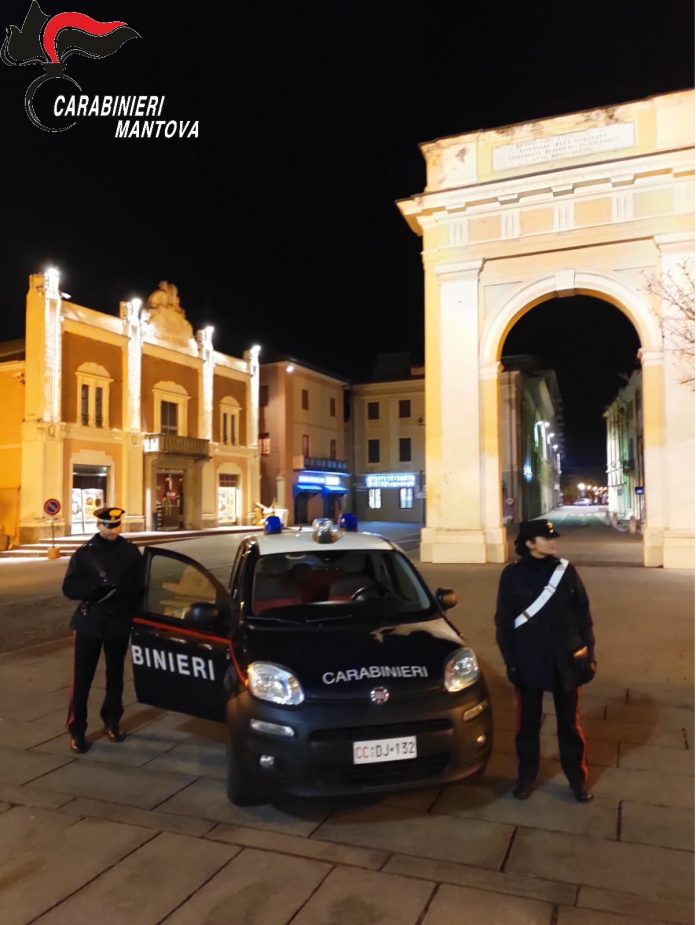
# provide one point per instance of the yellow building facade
(593, 203)
(133, 410)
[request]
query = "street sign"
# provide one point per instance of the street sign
(639, 490)
(52, 507)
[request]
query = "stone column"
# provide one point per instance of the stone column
(206, 483)
(496, 536)
(42, 432)
(454, 530)
(254, 470)
(676, 266)
(132, 494)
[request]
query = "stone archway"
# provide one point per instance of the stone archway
(584, 204)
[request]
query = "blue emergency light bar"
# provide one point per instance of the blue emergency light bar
(273, 524)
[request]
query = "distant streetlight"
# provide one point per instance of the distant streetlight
(581, 486)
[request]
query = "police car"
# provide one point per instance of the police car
(327, 656)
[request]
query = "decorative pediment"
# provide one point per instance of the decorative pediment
(166, 316)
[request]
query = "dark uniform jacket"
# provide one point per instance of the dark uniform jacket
(95, 569)
(541, 650)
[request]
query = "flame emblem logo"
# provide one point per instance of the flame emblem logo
(50, 40)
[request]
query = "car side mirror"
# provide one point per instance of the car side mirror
(446, 598)
(203, 614)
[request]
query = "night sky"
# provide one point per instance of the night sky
(278, 223)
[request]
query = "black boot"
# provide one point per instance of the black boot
(79, 744)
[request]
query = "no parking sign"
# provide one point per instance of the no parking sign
(52, 507)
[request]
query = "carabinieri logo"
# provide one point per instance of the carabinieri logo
(50, 40)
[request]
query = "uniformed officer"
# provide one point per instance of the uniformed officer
(544, 633)
(107, 576)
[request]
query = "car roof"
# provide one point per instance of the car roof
(300, 540)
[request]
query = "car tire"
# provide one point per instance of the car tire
(242, 789)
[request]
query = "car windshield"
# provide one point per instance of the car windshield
(333, 585)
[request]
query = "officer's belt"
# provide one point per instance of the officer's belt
(545, 595)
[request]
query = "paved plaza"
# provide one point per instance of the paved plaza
(143, 833)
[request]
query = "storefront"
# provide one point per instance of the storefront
(228, 499)
(319, 494)
(88, 494)
(391, 496)
(169, 505)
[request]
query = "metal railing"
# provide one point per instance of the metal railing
(174, 444)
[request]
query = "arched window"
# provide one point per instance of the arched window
(171, 408)
(229, 421)
(93, 383)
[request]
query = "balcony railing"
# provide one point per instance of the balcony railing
(319, 463)
(175, 445)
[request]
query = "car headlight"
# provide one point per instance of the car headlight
(461, 670)
(275, 684)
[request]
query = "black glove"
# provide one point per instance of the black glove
(588, 671)
(512, 674)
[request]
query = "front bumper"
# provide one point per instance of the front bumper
(318, 759)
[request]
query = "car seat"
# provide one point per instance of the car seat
(353, 578)
(273, 587)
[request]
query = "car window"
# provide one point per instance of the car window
(375, 582)
(175, 585)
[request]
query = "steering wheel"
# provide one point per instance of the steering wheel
(375, 590)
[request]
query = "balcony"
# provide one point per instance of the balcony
(319, 464)
(175, 445)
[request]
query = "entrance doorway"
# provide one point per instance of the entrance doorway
(169, 509)
(228, 499)
(88, 494)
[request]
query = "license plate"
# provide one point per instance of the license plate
(374, 750)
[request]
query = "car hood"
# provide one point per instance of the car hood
(339, 662)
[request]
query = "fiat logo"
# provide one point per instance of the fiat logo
(379, 695)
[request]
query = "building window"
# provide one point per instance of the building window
(305, 444)
(405, 498)
(374, 499)
(169, 417)
(332, 449)
(263, 396)
(171, 408)
(332, 407)
(84, 405)
(305, 399)
(93, 383)
(265, 444)
(373, 451)
(99, 406)
(373, 411)
(404, 407)
(404, 449)
(229, 421)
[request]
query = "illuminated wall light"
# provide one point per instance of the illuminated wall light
(289, 368)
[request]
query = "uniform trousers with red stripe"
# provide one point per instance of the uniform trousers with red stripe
(571, 741)
(87, 651)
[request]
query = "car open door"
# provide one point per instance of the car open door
(180, 645)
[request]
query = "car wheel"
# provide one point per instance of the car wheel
(242, 789)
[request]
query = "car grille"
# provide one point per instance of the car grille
(389, 731)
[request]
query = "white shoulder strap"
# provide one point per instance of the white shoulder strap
(545, 595)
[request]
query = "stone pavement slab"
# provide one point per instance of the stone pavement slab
(17, 706)
(633, 733)
(419, 801)
(599, 752)
(453, 903)
(647, 871)
(147, 885)
(23, 827)
(551, 807)
(386, 828)
(130, 786)
(29, 795)
(548, 891)
(147, 818)
(256, 887)
(22, 734)
(20, 767)
(34, 881)
(568, 916)
(207, 799)
(674, 718)
(643, 787)
(350, 896)
(302, 847)
(197, 758)
(651, 757)
(657, 825)
(133, 752)
(636, 907)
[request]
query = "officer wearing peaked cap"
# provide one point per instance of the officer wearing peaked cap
(544, 633)
(106, 576)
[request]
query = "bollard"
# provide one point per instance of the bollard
(53, 552)
(632, 524)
